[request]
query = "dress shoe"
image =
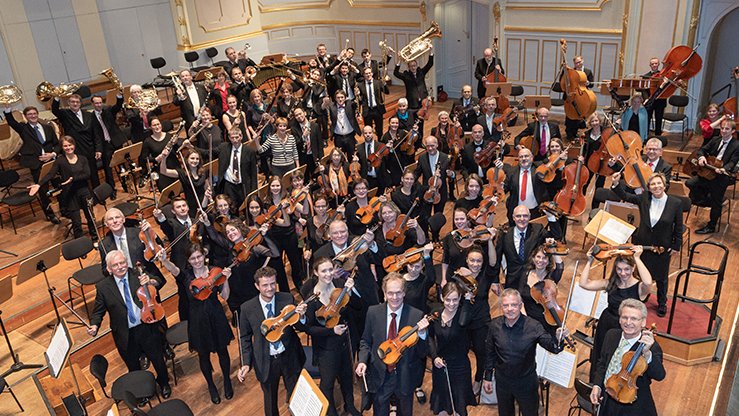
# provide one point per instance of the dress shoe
(420, 396)
(169, 353)
(706, 230)
(144, 362)
(228, 390)
(214, 397)
(661, 310)
(166, 391)
(53, 219)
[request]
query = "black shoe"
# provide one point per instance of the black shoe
(706, 230)
(53, 219)
(169, 353)
(228, 390)
(661, 310)
(420, 396)
(143, 402)
(166, 391)
(214, 397)
(144, 362)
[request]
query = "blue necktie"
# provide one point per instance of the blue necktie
(271, 314)
(520, 246)
(129, 302)
(39, 136)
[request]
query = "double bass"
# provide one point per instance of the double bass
(679, 65)
(580, 102)
(729, 105)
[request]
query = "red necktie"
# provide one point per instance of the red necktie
(392, 333)
(543, 141)
(651, 165)
(524, 183)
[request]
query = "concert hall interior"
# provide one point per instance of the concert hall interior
(493, 174)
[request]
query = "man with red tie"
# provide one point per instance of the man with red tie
(524, 186)
(543, 131)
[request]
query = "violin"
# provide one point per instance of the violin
(397, 262)
(375, 158)
(605, 251)
(465, 238)
(626, 147)
(482, 213)
(201, 289)
(463, 276)
(547, 171)
(598, 160)
(679, 65)
(396, 235)
(220, 221)
(273, 213)
(329, 314)
(332, 215)
(550, 207)
(391, 350)
(433, 194)
(408, 144)
(366, 214)
(545, 294)
(496, 177)
(580, 102)
(485, 156)
(347, 258)
(195, 237)
(297, 196)
(423, 112)
(151, 310)
(274, 328)
(557, 249)
(571, 198)
(325, 185)
(149, 238)
(622, 385)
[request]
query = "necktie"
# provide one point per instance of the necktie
(106, 134)
(721, 149)
(392, 333)
(370, 169)
(615, 363)
(145, 119)
(80, 118)
(129, 302)
(524, 184)
(235, 167)
(345, 86)
(651, 165)
(521, 245)
(123, 244)
(543, 141)
(370, 95)
(187, 223)
(490, 124)
(39, 135)
(271, 314)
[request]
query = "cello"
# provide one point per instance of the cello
(580, 102)
(729, 105)
(625, 146)
(679, 65)
(571, 198)
(598, 160)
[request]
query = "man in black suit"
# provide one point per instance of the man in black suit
(191, 98)
(339, 79)
(632, 318)
(271, 360)
(543, 131)
(477, 144)
(236, 61)
(344, 123)
(654, 106)
(372, 100)
(237, 168)
(106, 132)
(414, 79)
(572, 126)
(487, 119)
(139, 119)
(322, 57)
(383, 323)
(517, 244)
(468, 108)
(78, 124)
(241, 88)
(484, 66)
(368, 62)
(711, 192)
(126, 239)
(428, 163)
(40, 145)
(523, 185)
(132, 337)
(376, 177)
(308, 135)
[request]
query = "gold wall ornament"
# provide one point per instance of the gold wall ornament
(496, 12)
(422, 9)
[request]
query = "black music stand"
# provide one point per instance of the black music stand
(129, 156)
(41, 262)
(6, 292)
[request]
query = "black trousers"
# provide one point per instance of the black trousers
(374, 118)
(236, 192)
(477, 338)
(146, 339)
(333, 365)
(389, 388)
(94, 177)
(286, 241)
(524, 390)
(108, 151)
(347, 143)
(711, 193)
(572, 126)
(277, 368)
(658, 110)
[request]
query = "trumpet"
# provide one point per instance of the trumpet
(179, 88)
(113, 78)
(10, 94)
(45, 91)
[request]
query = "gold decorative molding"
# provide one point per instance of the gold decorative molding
(325, 4)
(207, 27)
(624, 32)
(359, 4)
(562, 7)
(422, 10)
(694, 17)
(583, 30)
(340, 22)
(220, 41)
(183, 31)
(496, 13)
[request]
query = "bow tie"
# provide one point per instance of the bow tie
(341, 106)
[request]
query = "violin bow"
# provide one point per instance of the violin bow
(569, 299)
(186, 168)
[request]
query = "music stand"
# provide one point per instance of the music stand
(496, 89)
(129, 155)
(6, 293)
(625, 211)
(41, 262)
(534, 102)
(168, 193)
(200, 76)
(259, 192)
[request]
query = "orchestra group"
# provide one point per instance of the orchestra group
(318, 173)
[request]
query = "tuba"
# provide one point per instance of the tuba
(113, 78)
(421, 44)
(10, 94)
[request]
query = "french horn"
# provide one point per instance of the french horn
(10, 94)
(45, 91)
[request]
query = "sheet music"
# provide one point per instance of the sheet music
(616, 231)
(56, 353)
(557, 368)
(304, 401)
(601, 305)
(582, 300)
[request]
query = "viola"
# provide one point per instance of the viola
(408, 144)
(557, 249)
(274, 328)
(465, 238)
(329, 314)
(366, 214)
(605, 251)
(625, 146)
(622, 385)
(545, 294)
(580, 102)
(529, 142)
(355, 173)
(433, 194)
(455, 140)
(598, 160)
(151, 310)
(149, 238)
(547, 171)
(484, 211)
(708, 171)
(396, 262)
(679, 65)
(423, 112)
(201, 289)
(550, 207)
(347, 258)
(375, 158)
(396, 235)
(496, 177)
(391, 350)
(325, 186)
(463, 276)
(273, 213)
(331, 216)
(571, 198)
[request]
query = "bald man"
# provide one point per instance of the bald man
(484, 66)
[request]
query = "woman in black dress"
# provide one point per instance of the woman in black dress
(557, 148)
(472, 195)
(195, 172)
(395, 165)
(448, 346)
(630, 279)
(207, 330)
(455, 256)
(153, 147)
(332, 351)
(361, 190)
(75, 176)
(315, 223)
(283, 232)
(592, 141)
(540, 266)
(254, 208)
(419, 278)
(224, 213)
(233, 117)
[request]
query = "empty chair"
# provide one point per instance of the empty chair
(678, 102)
(141, 383)
(104, 191)
(158, 63)
(581, 401)
(75, 250)
(212, 53)
(176, 335)
(174, 407)
(8, 179)
(191, 57)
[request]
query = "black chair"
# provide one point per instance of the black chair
(174, 407)
(687, 204)
(84, 92)
(158, 63)
(3, 386)
(581, 401)
(558, 102)
(8, 179)
(77, 249)
(191, 57)
(141, 383)
(212, 53)
(176, 335)
(678, 102)
(104, 191)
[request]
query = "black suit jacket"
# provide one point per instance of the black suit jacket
(379, 100)
(644, 404)
(516, 268)
(315, 140)
(534, 129)
(248, 168)
(333, 113)
(470, 115)
(423, 171)
(186, 108)
(667, 232)
(512, 186)
(335, 83)
(108, 115)
(365, 282)
(108, 299)
(255, 348)
(482, 68)
(85, 141)
(493, 134)
(730, 157)
(364, 166)
(31, 147)
(135, 250)
(241, 63)
(415, 86)
(410, 368)
(468, 158)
